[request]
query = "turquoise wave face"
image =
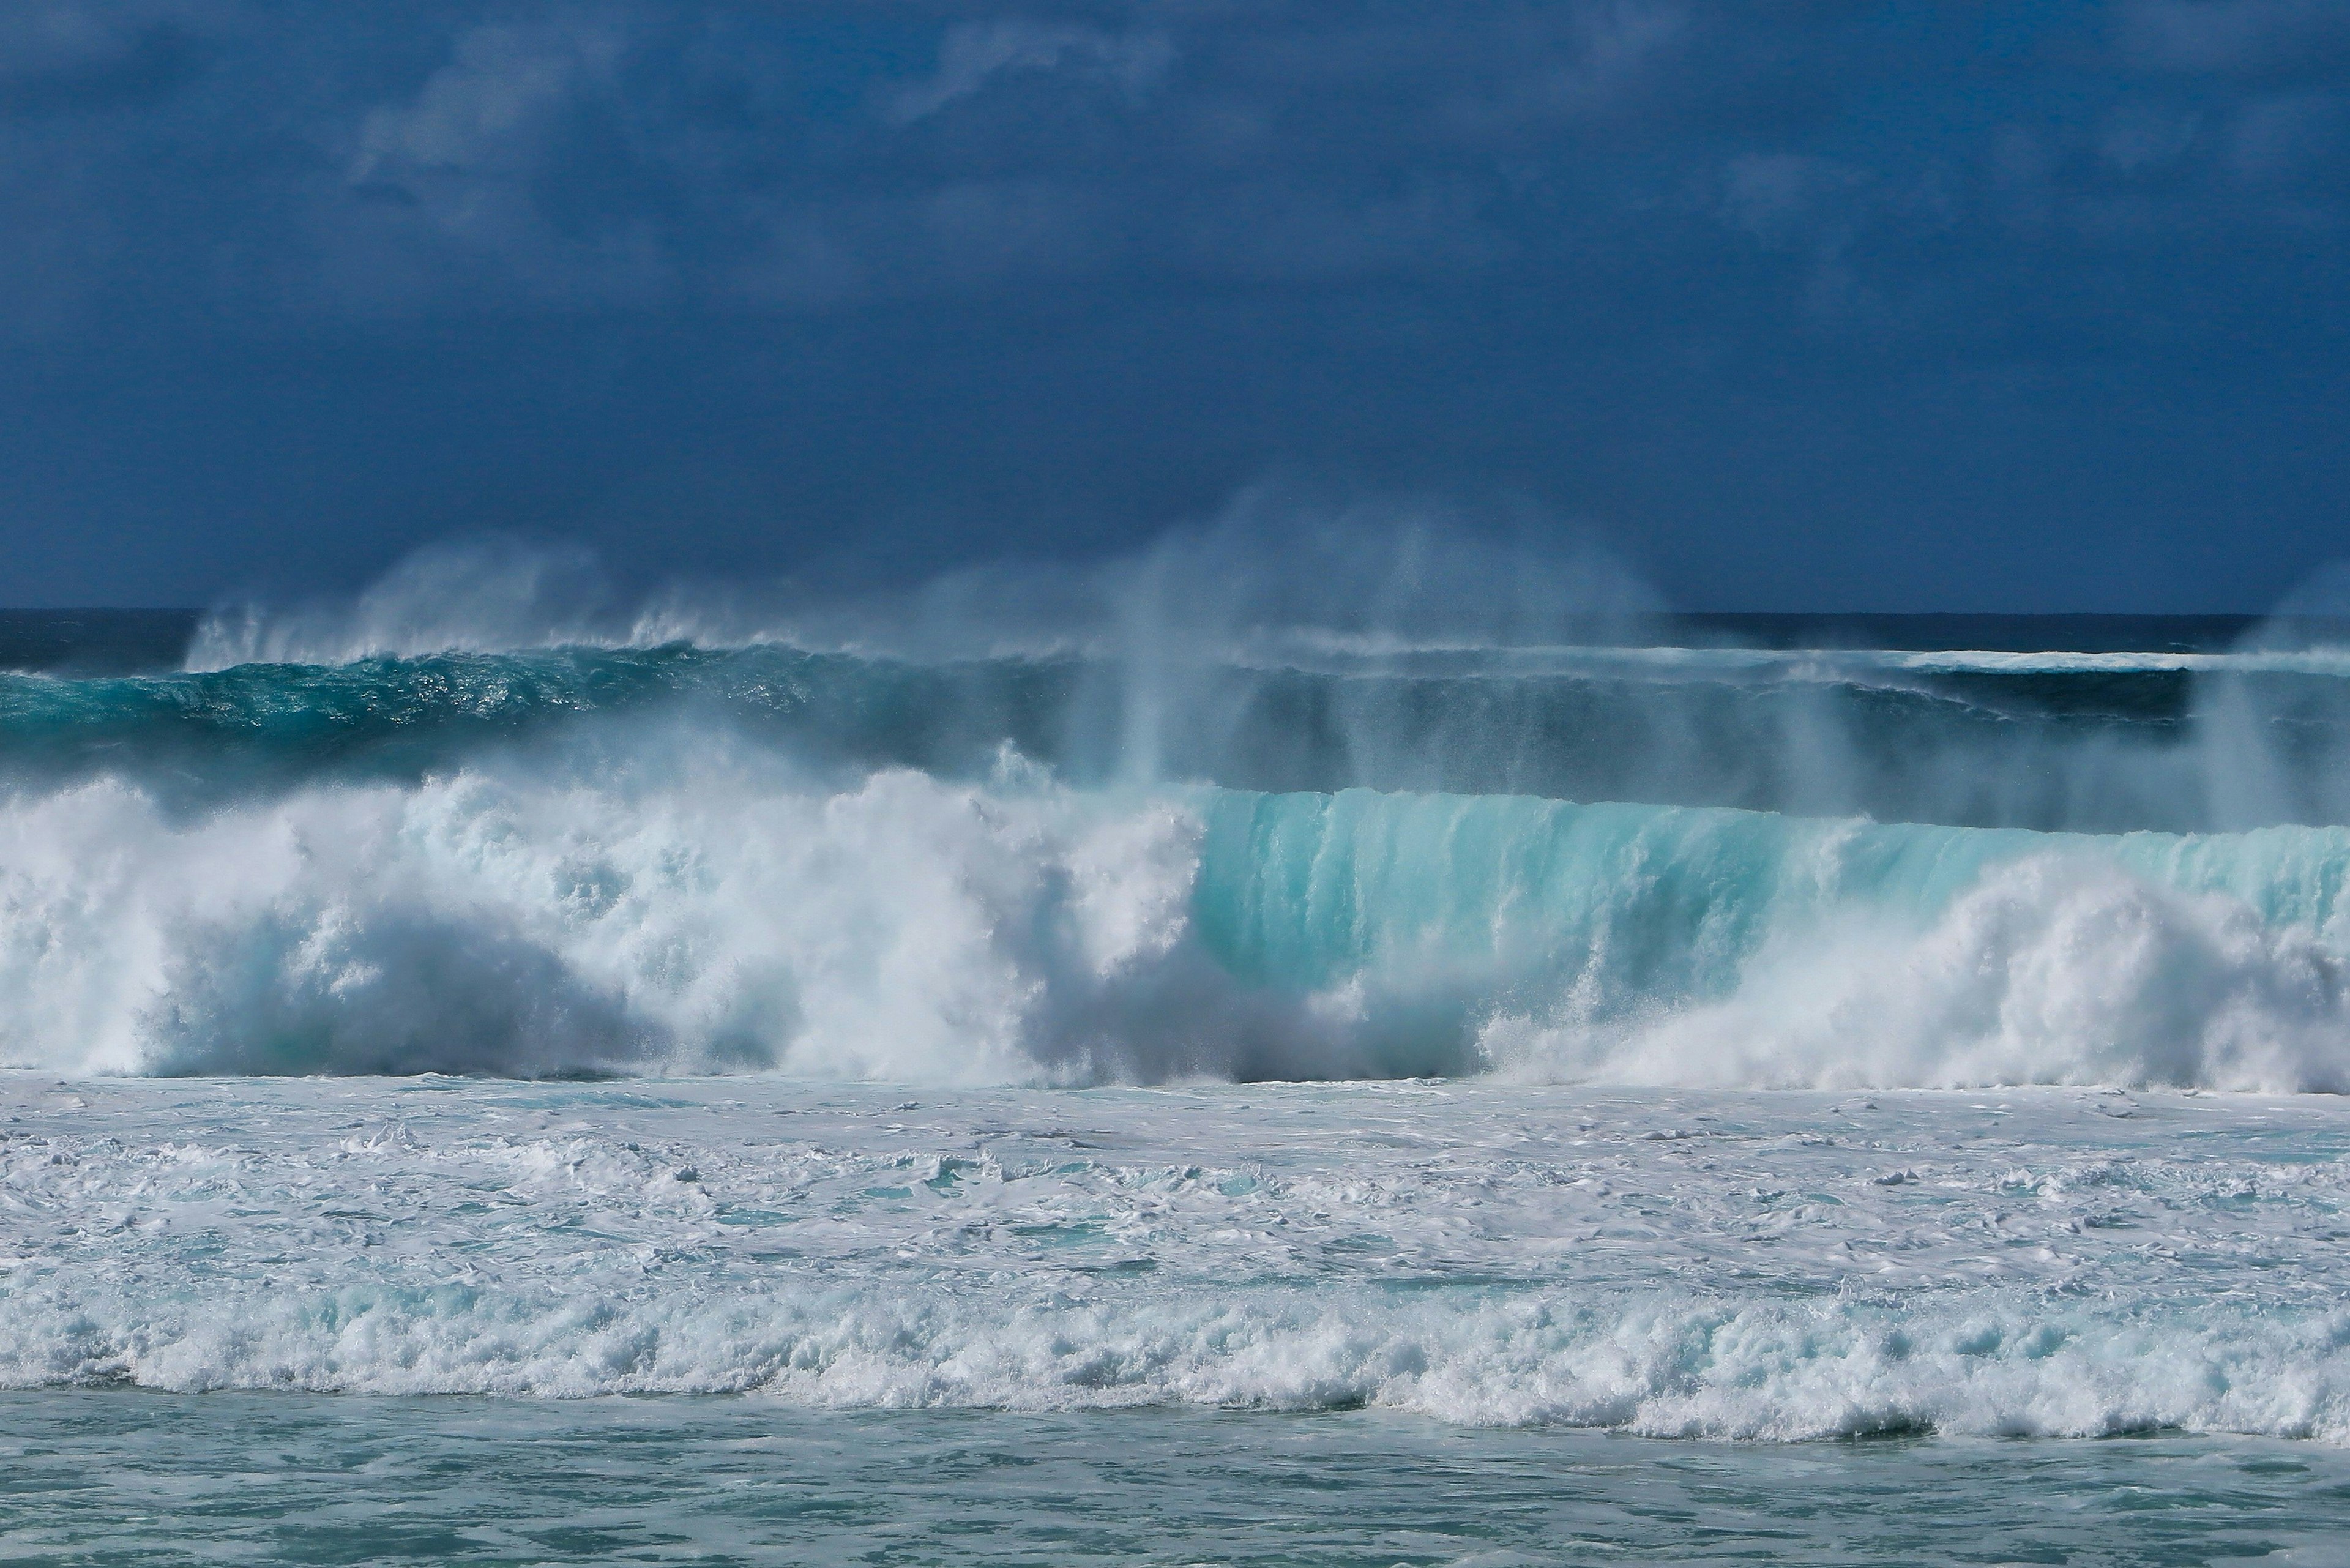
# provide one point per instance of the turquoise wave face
(1712, 945)
(1305, 890)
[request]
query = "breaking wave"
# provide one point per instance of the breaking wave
(718, 910)
(1418, 809)
(1982, 1362)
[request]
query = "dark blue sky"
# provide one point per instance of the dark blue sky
(1796, 306)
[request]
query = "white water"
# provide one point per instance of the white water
(720, 912)
(2053, 1262)
(900, 928)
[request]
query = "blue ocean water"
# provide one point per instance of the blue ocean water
(1716, 1090)
(293, 1479)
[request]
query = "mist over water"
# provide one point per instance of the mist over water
(1360, 795)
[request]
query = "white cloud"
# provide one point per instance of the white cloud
(975, 52)
(487, 110)
(2275, 140)
(60, 37)
(1785, 198)
(462, 165)
(2142, 138)
(2233, 37)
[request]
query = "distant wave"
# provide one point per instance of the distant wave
(223, 642)
(1372, 597)
(1264, 569)
(2101, 753)
(1319, 650)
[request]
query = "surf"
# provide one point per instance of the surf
(1179, 815)
(705, 909)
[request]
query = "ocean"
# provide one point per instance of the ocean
(1697, 1089)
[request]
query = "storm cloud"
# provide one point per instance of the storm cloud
(1805, 305)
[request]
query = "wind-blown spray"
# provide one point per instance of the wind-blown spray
(1367, 797)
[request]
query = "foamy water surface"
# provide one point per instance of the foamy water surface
(1775, 1266)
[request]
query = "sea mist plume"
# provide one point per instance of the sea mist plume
(486, 596)
(1272, 576)
(2272, 722)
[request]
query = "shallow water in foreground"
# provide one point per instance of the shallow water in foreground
(1718, 1263)
(124, 1477)
(759, 1320)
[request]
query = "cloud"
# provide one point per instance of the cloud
(488, 109)
(973, 52)
(66, 56)
(1581, 61)
(949, 240)
(497, 176)
(2256, 38)
(2288, 137)
(1784, 198)
(2141, 139)
(562, 156)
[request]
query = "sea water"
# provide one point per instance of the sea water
(113, 1477)
(1368, 1322)
(1354, 1100)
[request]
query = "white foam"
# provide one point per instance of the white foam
(898, 927)
(2056, 968)
(1757, 1266)
(1661, 1365)
(668, 910)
